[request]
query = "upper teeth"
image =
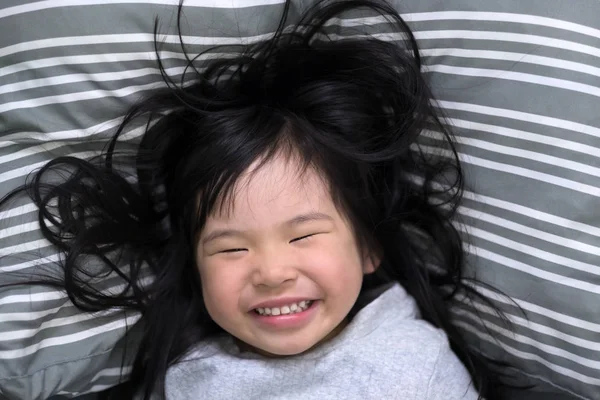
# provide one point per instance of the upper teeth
(287, 309)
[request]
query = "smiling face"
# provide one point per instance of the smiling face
(282, 241)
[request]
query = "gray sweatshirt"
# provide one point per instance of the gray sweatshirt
(385, 352)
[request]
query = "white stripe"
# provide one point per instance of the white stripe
(527, 19)
(67, 79)
(533, 251)
(45, 147)
(19, 229)
(107, 372)
(481, 35)
(57, 294)
(32, 297)
(213, 41)
(128, 38)
(112, 372)
(511, 56)
(530, 270)
(30, 315)
(518, 152)
(534, 326)
(527, 173)
(93, 389)
(531, 155)
(20, 172)
(23, 247)
(530, 213)
(515, 76)
(528, 356)
(522, 116)
(116, 58)
(30, 334)
(68, 135)
(48, 4)
(520, 19)
(33, 263)
(527, 230)
(592, 364)
(545, 312)
(552, 350)
(72, 97)
(533, 213)
(98, 58)
(521, 38)
(66, 339)
(506, 168)
(409, 17)
(546, 379)
(526, 211)
(525, 135)
(17, 211)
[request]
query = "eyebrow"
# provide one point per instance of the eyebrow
(297, 220)
(308, 217)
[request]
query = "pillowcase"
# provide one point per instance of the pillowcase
(519, 82)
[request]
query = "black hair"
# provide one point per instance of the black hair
(355, 109)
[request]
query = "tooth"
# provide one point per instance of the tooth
(275, 311)
(294, 307)
(285, 310)
(302, 304)
(261, 310)
(267, 311)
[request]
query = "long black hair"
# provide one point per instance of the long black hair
(354, 108)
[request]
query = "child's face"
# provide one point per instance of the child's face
(256, 256)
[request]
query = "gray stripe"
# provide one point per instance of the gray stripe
(535, 368)
(528, 221)
(12, 3)
(546, 321)
(115, 19)
(537, 291)
(97, 353)
(544, 197)
(547, 147)
(588, 359)
(513, 121)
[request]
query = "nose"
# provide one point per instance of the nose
(273, 269)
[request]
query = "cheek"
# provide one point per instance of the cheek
(337, 267)
(220, 287)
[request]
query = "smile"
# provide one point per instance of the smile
(292, 308)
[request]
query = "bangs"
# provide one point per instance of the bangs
(217, 197)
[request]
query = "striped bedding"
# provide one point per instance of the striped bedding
(518, 81)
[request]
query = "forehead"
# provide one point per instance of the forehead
(274, 190)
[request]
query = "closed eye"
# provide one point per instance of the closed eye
(302, 237)
(232, 250)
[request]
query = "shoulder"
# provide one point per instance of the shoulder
(394, 314)
(410, 354)
(423, 357)
(409, 343)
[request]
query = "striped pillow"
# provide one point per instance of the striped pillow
(519, 81)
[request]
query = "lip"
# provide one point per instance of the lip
(283, 301)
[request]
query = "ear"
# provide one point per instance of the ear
(371, 261)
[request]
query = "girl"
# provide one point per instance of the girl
(298, 236)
